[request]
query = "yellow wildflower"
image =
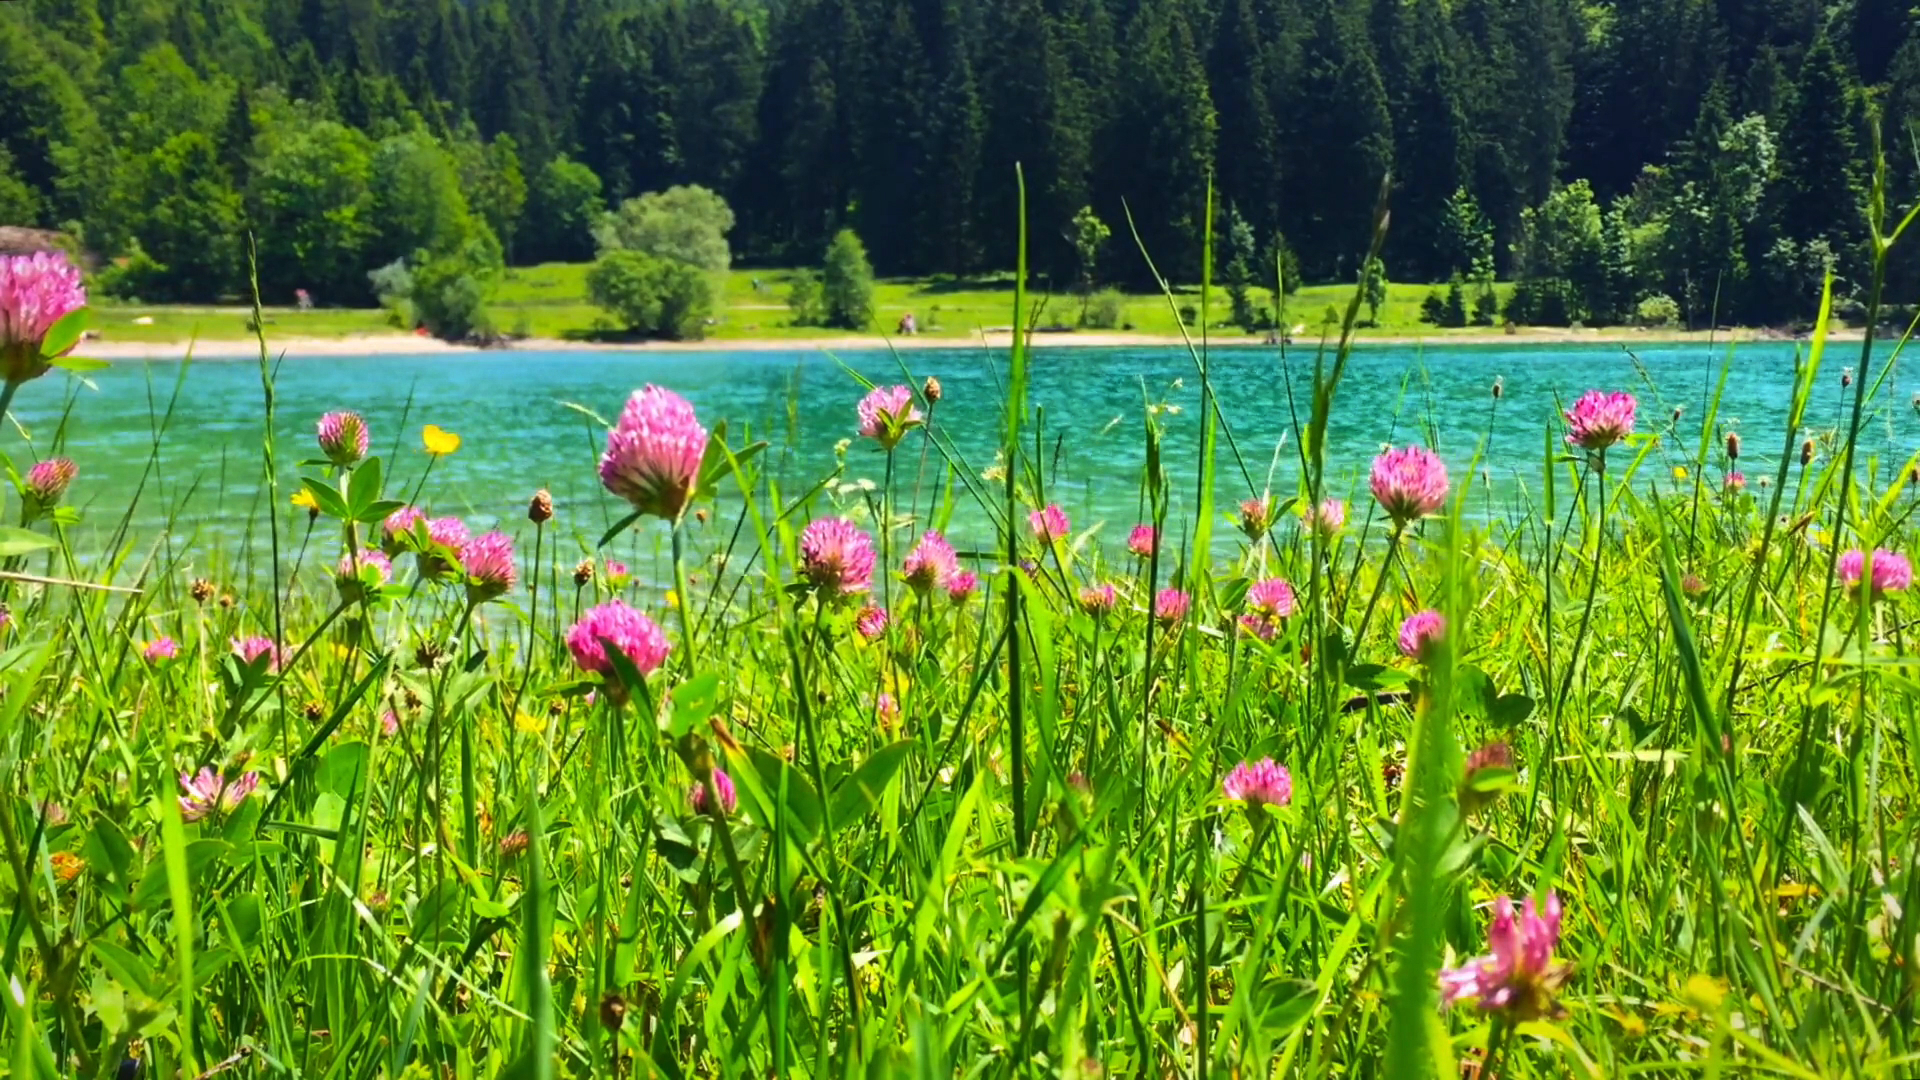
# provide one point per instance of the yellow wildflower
(304, 500)
(529, 724)
(1704, 992)
(1679, 472)
(439, 443)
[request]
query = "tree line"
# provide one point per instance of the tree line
(1707, 157)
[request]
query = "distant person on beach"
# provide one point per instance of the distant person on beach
(303, 299)
(908, 327)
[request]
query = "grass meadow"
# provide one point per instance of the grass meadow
(1062, 809)
(550, 301)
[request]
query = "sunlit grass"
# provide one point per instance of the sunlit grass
(550, 302)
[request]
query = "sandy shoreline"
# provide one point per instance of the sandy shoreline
(413, 345)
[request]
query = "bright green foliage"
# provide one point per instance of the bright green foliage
(684, 224)
(47, 126)
(1657, 310)
(1106, 310)
(18, 201)
(1820, 180)
(450, 290)
(161, 96)
(652, 295)
(563, 205)
(1467, 238)
(192, 220)
(393, 288)
(495, 188)
(1238, 274)
(418, 201)
(312, 204)
(846, 283)
(1713, 199)
(1561, 260)
(1090, 236)
(804, 299)
(1373, 287)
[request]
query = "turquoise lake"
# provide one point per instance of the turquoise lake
(519, 435)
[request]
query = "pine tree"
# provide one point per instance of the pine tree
(1429, 129)
(898, 144)
(1030, 100)
(1642, 87)
(1169, 120)
(1819, 193)
(18, 201)
(1238, 274)
(1900, 139)
(1874, 29)
(236, 137)
(1339, 148)
(945, 218)
(1766, 90)
(1249, 137)
(808, 157)
(717, 86)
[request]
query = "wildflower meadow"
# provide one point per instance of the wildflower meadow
(1308, 782)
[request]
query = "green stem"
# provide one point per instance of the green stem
(1497, 1044)
(684, 603)
(1380, 582)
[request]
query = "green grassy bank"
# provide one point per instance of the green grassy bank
(550, 301)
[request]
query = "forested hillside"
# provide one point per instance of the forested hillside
(1598, 152)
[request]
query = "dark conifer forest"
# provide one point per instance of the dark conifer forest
(1718, 154)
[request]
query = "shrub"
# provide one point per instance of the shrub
(687, 224)
(451, 301)
(1656, 310)
(846, 283)
(1106, 311)
(1455, 312)
(133, 278)
(1486, 307)
(1373, 282)
(393, 285)
(626, 284)
(450, 292)
(686, 302)
(804, 299)
(1540, 302)
(650, 295)
(1288, 265)
(1433, 309)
